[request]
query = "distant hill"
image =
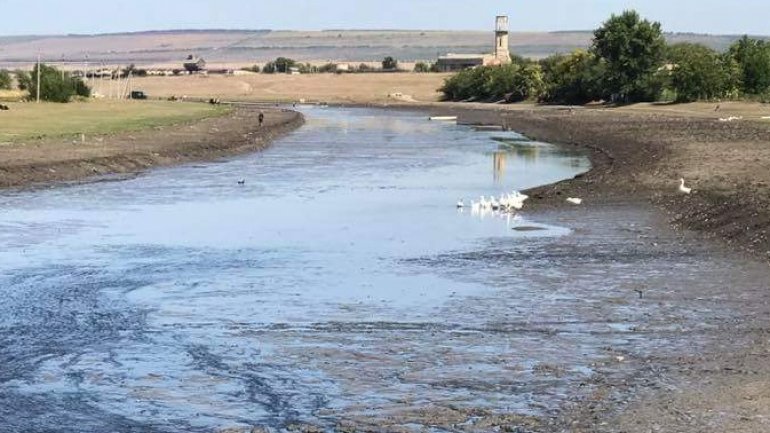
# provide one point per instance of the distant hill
(258, 46)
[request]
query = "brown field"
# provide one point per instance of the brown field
(347, 88)
(246, 47)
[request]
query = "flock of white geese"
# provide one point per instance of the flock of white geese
(505, 203)
(515, 201)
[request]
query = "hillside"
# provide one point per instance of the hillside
(256, 46)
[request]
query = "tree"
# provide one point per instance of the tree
(5, 80)
(269, 68)
(572, 79)
(55, 85)
(699, 73)
(632, 50)
(283, 64)
(389, 64)
(753, 59)
(422, 67)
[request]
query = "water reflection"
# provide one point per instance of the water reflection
(526, 152)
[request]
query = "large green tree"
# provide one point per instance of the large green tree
(389, 64)
(700, 73)
(753, 59)
(55, 85)
(632, 50)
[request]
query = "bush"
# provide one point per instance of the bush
(5, 80)
(512, 83)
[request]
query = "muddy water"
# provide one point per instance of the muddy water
(338, 287)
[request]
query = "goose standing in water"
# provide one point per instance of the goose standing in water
(484, 203)
(461, 203)
(475, 207)
(683, 189)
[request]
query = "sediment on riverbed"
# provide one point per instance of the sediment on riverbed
(54, 160)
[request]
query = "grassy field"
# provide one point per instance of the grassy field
(349, 88)
(30, 120)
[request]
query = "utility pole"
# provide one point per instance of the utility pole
(38, 78)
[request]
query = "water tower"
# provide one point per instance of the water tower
(502, 53)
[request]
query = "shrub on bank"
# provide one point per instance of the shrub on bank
(512, 83)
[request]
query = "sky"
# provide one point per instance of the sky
(111, 16)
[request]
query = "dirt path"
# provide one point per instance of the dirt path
(69, 159)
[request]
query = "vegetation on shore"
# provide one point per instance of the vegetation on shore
(629, 61)
(30, 121)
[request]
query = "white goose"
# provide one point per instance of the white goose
(461, 203)
(494, 204)
(485, 205)
(575, 201)
(683, 189)
(475, 207)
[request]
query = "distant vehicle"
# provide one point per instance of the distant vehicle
(137, 94)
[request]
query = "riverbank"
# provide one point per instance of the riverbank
(35, 161)
(640, 153)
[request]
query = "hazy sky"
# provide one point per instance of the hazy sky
(92, 16)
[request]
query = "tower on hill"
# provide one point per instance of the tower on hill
(501, 55)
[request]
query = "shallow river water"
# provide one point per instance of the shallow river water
(338, 285)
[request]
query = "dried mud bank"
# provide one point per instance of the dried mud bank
(47, 161)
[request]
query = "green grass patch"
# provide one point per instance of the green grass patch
(30, 121)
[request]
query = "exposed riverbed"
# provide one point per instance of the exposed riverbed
(340, 287)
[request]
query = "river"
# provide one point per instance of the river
(338, 285)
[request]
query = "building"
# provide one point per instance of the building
(501, 55)
(194, 64)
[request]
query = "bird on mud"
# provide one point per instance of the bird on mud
(682, 188)
(575, 201)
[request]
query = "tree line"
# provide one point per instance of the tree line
(628, 61)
